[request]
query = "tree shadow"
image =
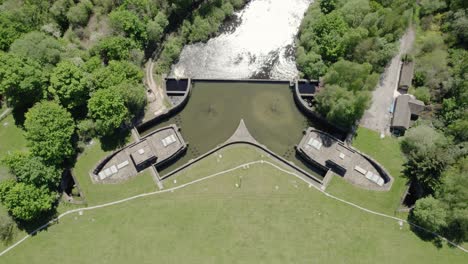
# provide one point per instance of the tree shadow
(19, 116)
(424, 234)
(41, 220)
(116, 140)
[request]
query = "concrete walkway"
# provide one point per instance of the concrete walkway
(5, 113)
(378, 116)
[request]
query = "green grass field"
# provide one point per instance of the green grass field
(272, 217)
(11, 139)
(387, 152)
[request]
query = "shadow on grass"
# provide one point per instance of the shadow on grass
(115, 140)
(33, 225)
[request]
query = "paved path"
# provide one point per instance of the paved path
(5, 113)
(378, 116)
(239, 167)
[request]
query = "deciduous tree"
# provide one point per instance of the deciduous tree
(49, 130)
(68, 85)
(107, 109)
(24, 201)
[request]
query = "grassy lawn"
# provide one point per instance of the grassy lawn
(271, 218)
(387, 152)
(11, 139)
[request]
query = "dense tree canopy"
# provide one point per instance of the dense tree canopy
(115, 73)
(49, 130)
(25, 201)
(68, 85)
(107, 109)
(340, 106)
(128, 23)
(31, 170)
(430, 214)
(349, 43)
(134, 96)
(22, 80)
(38, 46)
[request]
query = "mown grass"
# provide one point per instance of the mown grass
(11, 139)
(272, 217)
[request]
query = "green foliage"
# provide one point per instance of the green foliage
(49, 130)
(351, 76)
(422, 139)
(129, 24)
(354, 11)
(68, 85)
(59, 10)
(428, 156)
(155, 27)
(115, 73)
(431, 6)
(454, 194)
(430, 214)
(10, 29)
(459, 25)
(24, 201)
(423, 94)
(134, 96)
(79, 14)
(340, 106)
(200, 30)
(86, 129)
(329, 31)
(311, 64)
(22, 80)
(171, 51)
(38, 46)
(31, 170)
(376, 51)
(327, 6)
(107, 109)
(114, 48)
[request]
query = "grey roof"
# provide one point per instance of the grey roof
(406, 74)
(141, 152)
(405, 106)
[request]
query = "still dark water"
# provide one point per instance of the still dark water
(215, 109)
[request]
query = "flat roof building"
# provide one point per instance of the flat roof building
(142, 154)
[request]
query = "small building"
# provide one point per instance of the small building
(406, 75)
(142, 155)
(407, 109)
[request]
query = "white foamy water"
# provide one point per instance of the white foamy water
(261, 46)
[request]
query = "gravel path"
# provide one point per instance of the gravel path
(378, 116)
(156, 104)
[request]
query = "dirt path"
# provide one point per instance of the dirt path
(156, 104)
(378, 116)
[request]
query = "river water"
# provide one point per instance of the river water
(257, 43)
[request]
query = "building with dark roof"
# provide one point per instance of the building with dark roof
(406, 75)
(406, 109)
